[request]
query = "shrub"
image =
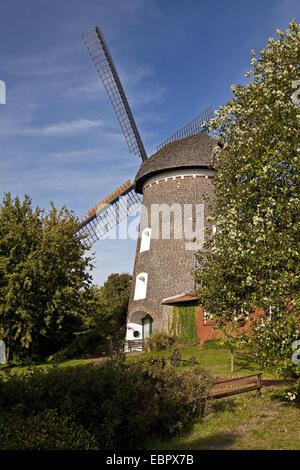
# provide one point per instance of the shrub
(45, 430)
(181, 393)
(271, 342)
(112, 405)
(159, 341)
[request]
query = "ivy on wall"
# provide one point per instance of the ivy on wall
(183, 323)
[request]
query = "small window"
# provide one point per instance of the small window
(271, 309)
(136, 334)
(207, 316)
(145, 240)
(196, 262)
(141, 286)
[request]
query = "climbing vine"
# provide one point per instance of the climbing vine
(183, 323)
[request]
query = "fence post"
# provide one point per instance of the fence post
(258, 383)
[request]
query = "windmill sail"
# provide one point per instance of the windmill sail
(98, 50)
(195, 126)
(102, 218)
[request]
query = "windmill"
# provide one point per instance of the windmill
(127, 198)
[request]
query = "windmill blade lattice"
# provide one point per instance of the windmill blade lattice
(195, 126)
(106, 215)
(98, 50)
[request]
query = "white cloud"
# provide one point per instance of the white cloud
(53, 61)
(88, 89)
(65, 127)
(61, 128)
(75, 154)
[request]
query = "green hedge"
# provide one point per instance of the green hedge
(107, 406)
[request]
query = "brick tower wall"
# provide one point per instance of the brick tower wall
(168, 263)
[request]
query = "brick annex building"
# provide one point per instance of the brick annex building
(177, 176)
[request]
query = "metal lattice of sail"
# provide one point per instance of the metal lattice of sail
(108, 213)
(103, 62)
(195, 126)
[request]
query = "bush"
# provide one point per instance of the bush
(159, 341)
(43, 431)
(181, 393)
(271, 342)
(111, 405)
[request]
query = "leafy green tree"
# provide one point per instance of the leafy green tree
(106, 306)
(253, 260)
(233, 338)
(270, 341)
(42, 269)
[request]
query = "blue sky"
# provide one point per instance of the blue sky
(60, 139)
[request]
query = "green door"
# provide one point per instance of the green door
(147, 326)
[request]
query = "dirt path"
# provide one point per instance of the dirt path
(99, 359)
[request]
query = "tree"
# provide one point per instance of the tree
(106, 306)
(233, 338)
(253, 260)
(270, 342)
(42, 270)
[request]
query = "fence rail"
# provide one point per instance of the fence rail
(135, 344)
(217, 392)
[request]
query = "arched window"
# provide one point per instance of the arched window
(145, 240)
(140, 286)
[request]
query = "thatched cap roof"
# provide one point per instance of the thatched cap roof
(194, 151)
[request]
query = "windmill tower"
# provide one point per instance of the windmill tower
(173, 186)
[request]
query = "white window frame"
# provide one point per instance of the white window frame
(140, 291)
(145, 240)
(206, 317)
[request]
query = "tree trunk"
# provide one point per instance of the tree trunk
(231, 360)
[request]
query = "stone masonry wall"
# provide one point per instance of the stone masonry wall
(168, 264)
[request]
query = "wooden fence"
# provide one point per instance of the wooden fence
(219, 391)
(135, 345)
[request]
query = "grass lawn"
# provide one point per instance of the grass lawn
(215, 358)
(45, 365)
(242, 422)
(211, 356)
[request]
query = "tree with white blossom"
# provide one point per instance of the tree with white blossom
(253, 260)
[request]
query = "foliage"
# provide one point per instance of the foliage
(233, 338)
(86, 345)
(42, 269)
(242, 422)
(119, 405)
(270, 341)
(104, 311)
(106, 306)
(183, 323)
(253, 260)
(293, 395)
(45, 430)
(159, 340)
